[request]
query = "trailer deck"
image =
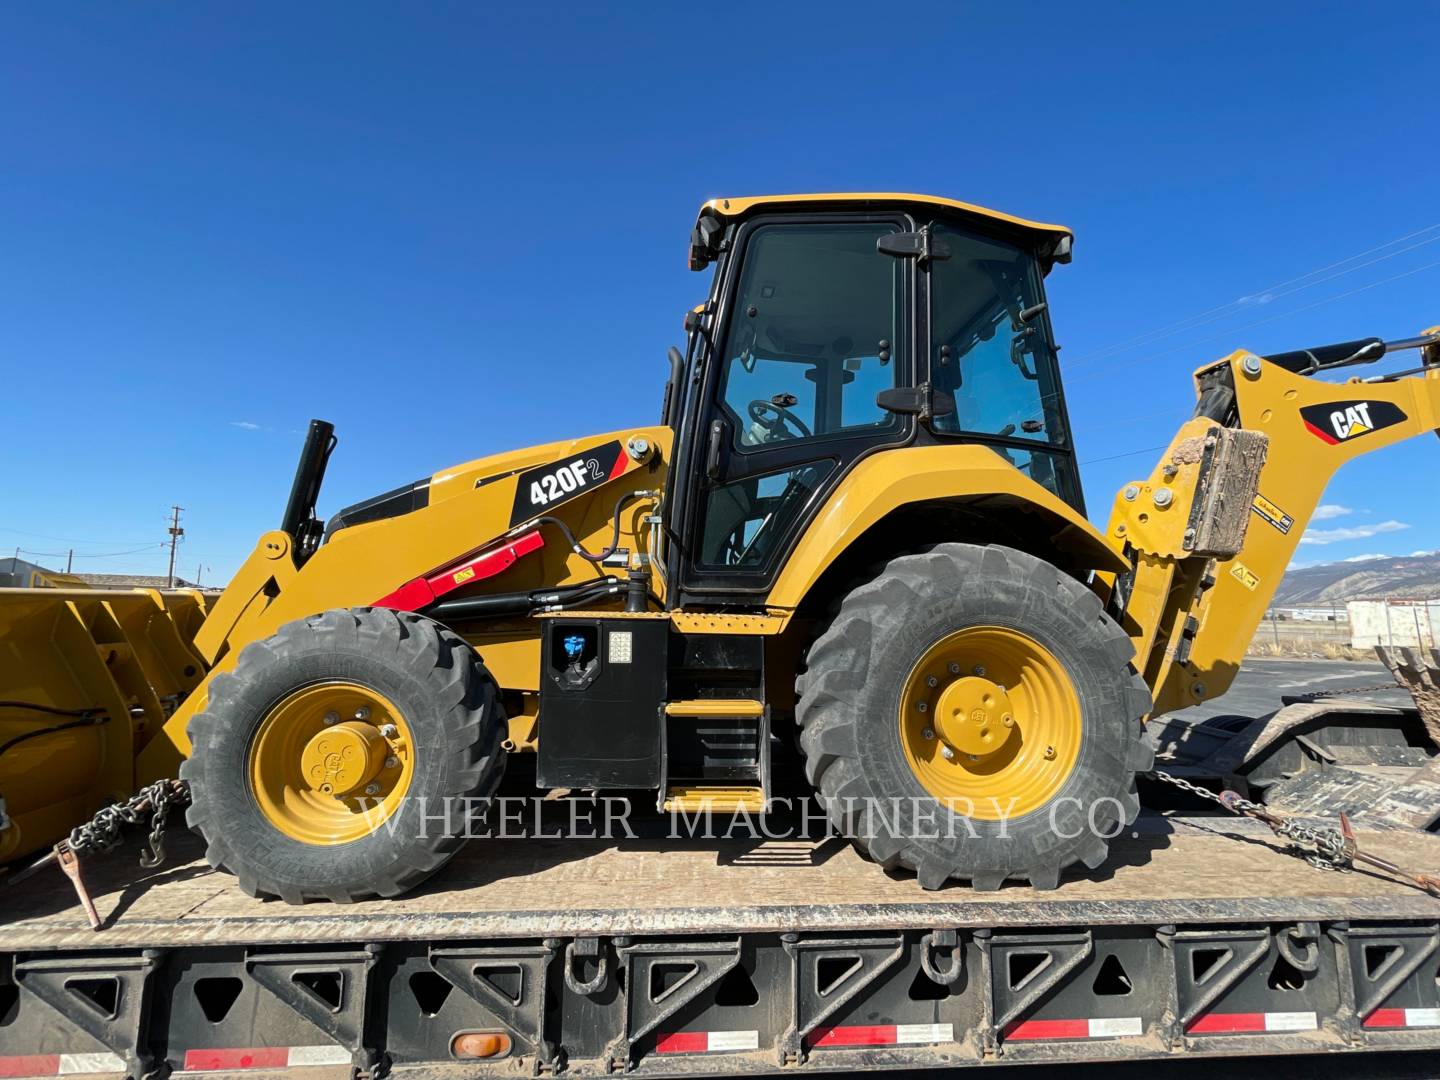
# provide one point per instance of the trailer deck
(1199, 937)
(1174, 869)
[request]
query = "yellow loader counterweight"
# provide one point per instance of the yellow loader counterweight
(853, 550)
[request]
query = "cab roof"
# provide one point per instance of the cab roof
(1057, 235)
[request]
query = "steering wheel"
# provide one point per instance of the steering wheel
(783, 416)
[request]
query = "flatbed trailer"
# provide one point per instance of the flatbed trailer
(1201, 936)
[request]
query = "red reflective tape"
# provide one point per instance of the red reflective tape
(1212, 1022)
(255, 1057)
(622, 462)
(1382, 1018)
(857, 1035)
(30, 1065)
(683, 1042)
(1049, 1029)
(1324, 436)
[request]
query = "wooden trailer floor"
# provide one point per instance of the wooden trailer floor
(1176, 869)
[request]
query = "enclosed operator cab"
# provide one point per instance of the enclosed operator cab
(838, 327)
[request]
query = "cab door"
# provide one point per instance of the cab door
(815, 323)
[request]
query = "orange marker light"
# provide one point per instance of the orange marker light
(480, 1044)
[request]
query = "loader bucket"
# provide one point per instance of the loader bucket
(1418, 671)
(87, 676)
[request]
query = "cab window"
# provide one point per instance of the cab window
(814, 334)
(988, 343)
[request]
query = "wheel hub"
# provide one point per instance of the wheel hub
(342, 759)
(322, 779)
(990, 722)
(974, 716)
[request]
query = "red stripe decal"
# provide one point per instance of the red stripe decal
(683, 1042)
(1323, 436)
(30, 1065)
(1212, 1022)
(1386, 1018)
(622, 462)
(857, 1035)
(255, 1057)
(1049, 1029)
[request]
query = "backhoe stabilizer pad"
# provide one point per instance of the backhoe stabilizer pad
(1228, 481)
(1418, 672)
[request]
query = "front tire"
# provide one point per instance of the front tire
(972, 713)
(343, 757)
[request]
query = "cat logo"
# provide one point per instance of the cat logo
(1344, 420)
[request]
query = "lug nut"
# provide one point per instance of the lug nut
(922, 706)
(954, 668)
(392, 762)
(947, 753)
(332, 718)
(388, 731)
(362, 713)
(932, 681)
(372, 789)
(980, 670)
(928, 733)
(1164, 497)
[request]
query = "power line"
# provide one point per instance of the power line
(64, 539)
(95, 555)
(1127, 453)
(1222, 311)
(1087, 376)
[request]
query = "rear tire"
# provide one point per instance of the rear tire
(435, 771)
(862, 759)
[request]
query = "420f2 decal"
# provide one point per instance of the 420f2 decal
(538, 490)
(1341, 421)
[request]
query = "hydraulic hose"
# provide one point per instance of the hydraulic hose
(613, 546)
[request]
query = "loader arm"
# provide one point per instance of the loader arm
(1210, 532)
(466, 544)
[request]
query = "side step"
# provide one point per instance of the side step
(716, 756)
(692, 799)
(712, 707)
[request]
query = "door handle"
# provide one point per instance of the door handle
(713, 450)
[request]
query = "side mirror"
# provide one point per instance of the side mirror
(705, 241)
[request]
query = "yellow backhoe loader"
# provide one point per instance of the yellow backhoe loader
(854, 544)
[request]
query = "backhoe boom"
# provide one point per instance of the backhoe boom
(1210, 532)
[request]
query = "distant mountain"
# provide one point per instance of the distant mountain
(1413, 577)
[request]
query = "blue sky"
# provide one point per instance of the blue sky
(454, 229)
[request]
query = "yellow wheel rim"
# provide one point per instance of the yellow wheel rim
(331, 763)
(990, 722)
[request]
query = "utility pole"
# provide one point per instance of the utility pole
(69, 560)
(198, 568)
(175, 533)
